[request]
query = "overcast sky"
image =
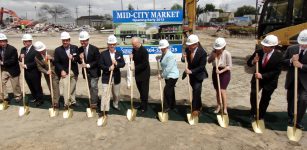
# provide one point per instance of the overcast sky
(25, 8)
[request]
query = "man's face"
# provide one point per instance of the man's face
(111, 47)
(267, 49)
(304, 46)
(66, 43)
(3, 43)
(135, 45)
(27, 43)
(84, 43)
(192, 47)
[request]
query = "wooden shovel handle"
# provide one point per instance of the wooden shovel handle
(50, 82)
(160, 84)
(257, 90)
(23, 83)
(219, 85)
(190, 91)
(295, 96)
(87, 85)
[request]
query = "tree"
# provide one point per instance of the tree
(245, 10)
(57, 11)
(130, 7)
(209, 8)
(199, 10)
(176, 7)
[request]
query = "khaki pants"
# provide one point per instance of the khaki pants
(15, 85)
(55, 87)
(70, 98)
(105, 100)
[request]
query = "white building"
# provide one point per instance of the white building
(206, 17)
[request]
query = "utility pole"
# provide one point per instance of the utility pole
(154, 4)
(122, 5)
(89, 13)
(76, 15)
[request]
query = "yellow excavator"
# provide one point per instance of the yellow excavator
(283, 18)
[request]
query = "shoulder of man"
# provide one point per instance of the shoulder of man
(293, 47)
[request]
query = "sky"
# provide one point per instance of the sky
(26, 8)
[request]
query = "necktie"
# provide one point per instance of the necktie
(192, 56)
(301, 55)
(266, 59)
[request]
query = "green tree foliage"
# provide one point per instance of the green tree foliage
(245, 10)
(176, 6)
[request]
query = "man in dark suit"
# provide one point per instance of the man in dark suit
(62, 55)
(141, 70)
(10, 69)
(32, 74)
(110, 60)
(296, 56)
(90, 55)
(197, 60)
(270, 63)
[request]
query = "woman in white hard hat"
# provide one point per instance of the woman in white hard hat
(223, 69)
(269, 59)
(170, 73)
(42, 65)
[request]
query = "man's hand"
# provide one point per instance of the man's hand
(188, 71)
(158, 57)
(111, 68)
(258, 76)
(132, 67)
(297, 64)
(160, 77)
(82, 55)
(70, 56)
(49, 72)
(295, 57)
(63, 74)
(218, 71)
(83, 65)
(131, 56)
(22, 56)
(114, 62)
(256, 59)
(49, 57)
(1, 62)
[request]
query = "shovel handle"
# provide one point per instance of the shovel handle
(68, 78)
(50, 83)
(219, 85)
(189, 87)
(160, 85)
(295, 96)
(108, 91)
(257, 90)
(131, 84)
(23, 83)
(86, 79)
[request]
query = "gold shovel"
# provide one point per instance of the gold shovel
(69, 112)
(52, 111)
(89, 111)
(193, 120)
(102, 121)
(163, 116)
(222, 118)
(24, 110)
(258, 125)
(293, 133)
(131, 113)
(4, 105)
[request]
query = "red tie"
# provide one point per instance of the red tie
(266, 59)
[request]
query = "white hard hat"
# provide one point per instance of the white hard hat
(112, 39)
(219, 43)
(302, 37)
(27, 37)
(3, 36)
(192, 39)
(163, 44)
(39, 46)
(84, 35)
(270, 40)
(65, 36)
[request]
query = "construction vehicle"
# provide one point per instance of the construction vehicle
(15, 21)
(283, 18)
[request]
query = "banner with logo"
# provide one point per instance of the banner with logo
(150, 26)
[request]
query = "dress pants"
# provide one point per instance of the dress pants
(33, 79)
(143, 87)
(197, 88)
(6, 76)
(169, 93)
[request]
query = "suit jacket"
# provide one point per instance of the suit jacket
(141, 63)
(42, 65)
(92, 59)
(10, 61)
(29, 59)
(105, 62)
(302, 72)
(270, 73)
(198, 65)
(61, 60)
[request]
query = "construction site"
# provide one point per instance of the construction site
(243, 34)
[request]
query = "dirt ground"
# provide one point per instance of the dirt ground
(38, 131)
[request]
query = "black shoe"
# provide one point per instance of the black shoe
(299, 126)
(143, 111)
(39, 103)
(252, 118)
(137, 107)
(33, 101)
(76, 104)
(166, 110)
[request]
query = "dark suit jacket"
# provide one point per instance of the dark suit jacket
(61, 60)
(105, 62)
(270, 73)
(198, 65)
(29, 59)
(92, 59)
(141, 63)
(10, 61)
(302, 73)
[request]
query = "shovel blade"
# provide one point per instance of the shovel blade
(163, 117)
(258, 126)
(102, 121)
(53, 112)
(131, 114)
(193, 120)
(223, 120)
(4, 105)
(67, 113)
(90, 112)
(294, 134)
(24, 110)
